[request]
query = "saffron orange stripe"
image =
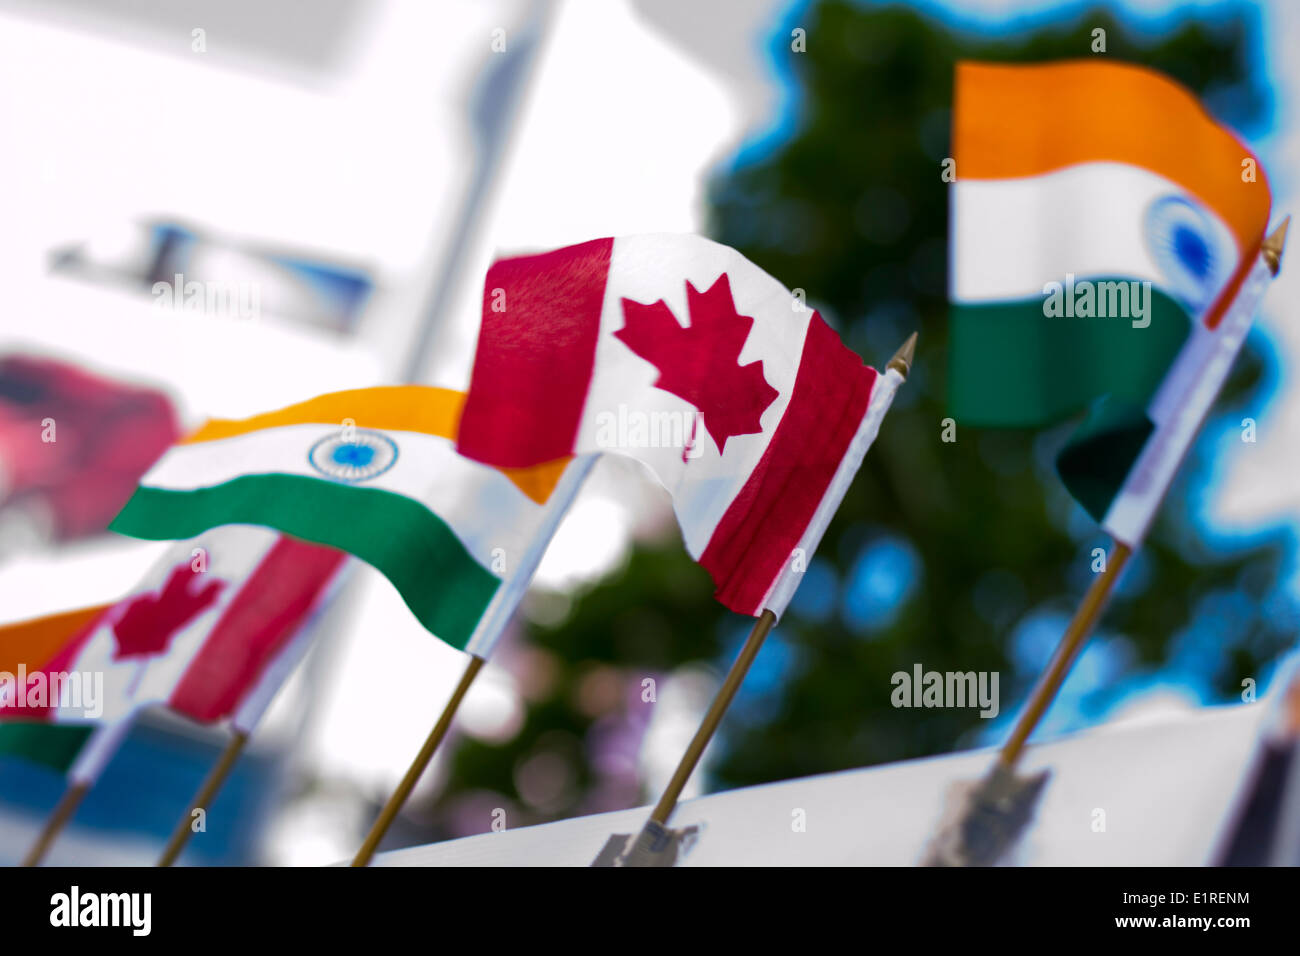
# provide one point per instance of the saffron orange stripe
(1012, 121)
(407, 408)
(410, 408)
(34, 643)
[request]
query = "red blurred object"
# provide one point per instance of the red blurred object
(105, 436)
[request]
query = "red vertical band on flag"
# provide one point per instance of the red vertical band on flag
(259, 621)
(763, 526)
(536, 348)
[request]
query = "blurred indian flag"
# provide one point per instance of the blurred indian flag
(1102, 225)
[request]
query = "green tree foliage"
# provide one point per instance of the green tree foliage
(851, 207)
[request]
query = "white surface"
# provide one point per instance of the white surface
(1165, 785)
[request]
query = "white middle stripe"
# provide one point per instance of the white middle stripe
(1011, 236)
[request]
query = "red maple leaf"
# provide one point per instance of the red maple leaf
(700, 363)
(150, 622)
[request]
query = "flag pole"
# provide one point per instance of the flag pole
(651, 840)
(413, 773)
(1094, 601)
(721, 701)
(216, 777)
(1072, 642)
(63, 811)
(94, 756)
(655, 844)
(991, 815)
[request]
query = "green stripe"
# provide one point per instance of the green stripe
(1012, 366)
(52, 745)
(442, 584)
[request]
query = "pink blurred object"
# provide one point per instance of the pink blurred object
(105, 436)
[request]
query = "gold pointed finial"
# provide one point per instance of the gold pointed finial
(902, 360)
(1271, 248)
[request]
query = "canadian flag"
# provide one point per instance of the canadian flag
(214, 618)
(682, 354)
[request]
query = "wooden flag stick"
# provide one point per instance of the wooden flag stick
(59, 818)
(418, 766)
(1076, 635)
(721, 701)
(216, 777)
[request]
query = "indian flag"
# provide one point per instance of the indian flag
(215, 623)
(373, 472)
(1102, 226)
(679, 352)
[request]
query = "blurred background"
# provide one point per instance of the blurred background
(344, 171)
